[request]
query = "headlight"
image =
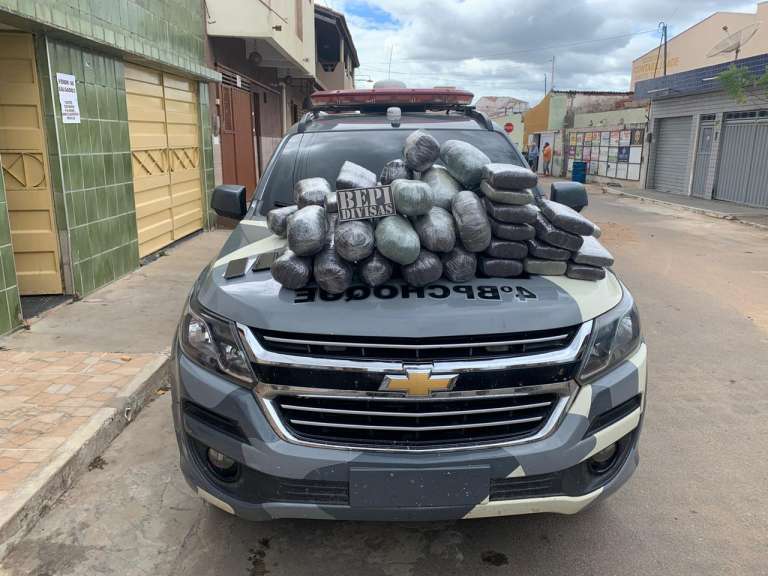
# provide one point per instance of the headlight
(213, 343)
(615, 336)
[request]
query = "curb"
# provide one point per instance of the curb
(683, 207)
(21, 511)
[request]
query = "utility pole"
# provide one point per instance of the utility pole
(664, 32)
(545, 84)
(389, 68)
(553, 73)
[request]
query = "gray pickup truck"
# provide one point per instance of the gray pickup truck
(489, 398)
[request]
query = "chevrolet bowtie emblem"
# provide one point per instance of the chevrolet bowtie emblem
(418, 382)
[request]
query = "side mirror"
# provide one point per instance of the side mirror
(572, 194)
(229, 201)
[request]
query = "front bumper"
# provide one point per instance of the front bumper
(285, 480)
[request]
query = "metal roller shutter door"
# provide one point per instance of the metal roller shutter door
(743, 170)
(163, 125)
(673, 141)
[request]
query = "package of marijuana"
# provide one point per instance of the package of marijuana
(277, 219)
(472, 223)
(307, 228)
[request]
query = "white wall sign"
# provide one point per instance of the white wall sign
(70, 111)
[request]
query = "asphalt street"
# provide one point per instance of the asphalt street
(697, 504)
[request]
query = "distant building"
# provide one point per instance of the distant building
(498, 106)
(689, 50)
(604, 129)
(704, 143)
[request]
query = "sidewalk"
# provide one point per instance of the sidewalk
(70, 383)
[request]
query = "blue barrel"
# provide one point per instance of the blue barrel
(579, 172)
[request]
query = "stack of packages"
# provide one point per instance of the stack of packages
(442, 226)
(537, 236)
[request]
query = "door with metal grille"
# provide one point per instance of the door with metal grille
(25, 169)
(163, 126)
(701, 163)
(237, 138)
(673, 141)
(742, 172)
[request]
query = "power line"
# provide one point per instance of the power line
(539, 48)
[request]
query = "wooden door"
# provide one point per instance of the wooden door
(25, 169)
(237, 148)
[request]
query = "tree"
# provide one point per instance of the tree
(738, 82)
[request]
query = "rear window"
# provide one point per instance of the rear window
(322, 154)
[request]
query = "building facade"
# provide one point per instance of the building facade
(694, 47)
(271, 57)
(574, 123)
(704, 142)
(105, 140)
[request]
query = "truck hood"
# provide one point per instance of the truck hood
(481, 306)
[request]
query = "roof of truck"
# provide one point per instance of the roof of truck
(324, 122)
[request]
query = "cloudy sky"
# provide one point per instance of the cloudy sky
(505, 47)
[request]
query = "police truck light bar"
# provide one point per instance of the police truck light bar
(440, 97)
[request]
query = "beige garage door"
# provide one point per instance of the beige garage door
(25, 169)
(163, 124)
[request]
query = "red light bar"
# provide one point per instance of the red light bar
(391, 96)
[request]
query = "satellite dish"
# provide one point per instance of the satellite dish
(734, 42)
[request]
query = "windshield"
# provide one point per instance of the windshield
(322, 154)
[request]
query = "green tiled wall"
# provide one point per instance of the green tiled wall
(207, 147)
(90, 166)
(10, 305)
(168, 31)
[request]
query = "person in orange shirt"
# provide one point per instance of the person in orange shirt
(546, 152)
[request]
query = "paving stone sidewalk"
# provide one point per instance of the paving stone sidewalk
(72, 381)
(47, 396)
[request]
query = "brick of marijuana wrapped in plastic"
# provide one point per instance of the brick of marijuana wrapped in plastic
(376, 269)
(544, 251)
(459, 265)
(424, 270)
(507, 249)
(584, 272)
(412, 197)
(593, 253)
(436, 230)
(555, 236)
(545, 267)
(311, 191)
(332, 273)
(307, 228)
(397, 240)
(421, 150)
(395, 170)
(566, 218)
(472, 223)
(354, 240)
(353, 175)
(499, 268)
(511, 214)
(509, 176)
(331, 202)
(514, 197)
(444, 186)
(515, 232)
(292, 271)
(464, 162)
(277, 219)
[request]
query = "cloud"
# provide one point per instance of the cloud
(505, 47)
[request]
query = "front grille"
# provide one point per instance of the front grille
(417, 349)
(411, 422)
